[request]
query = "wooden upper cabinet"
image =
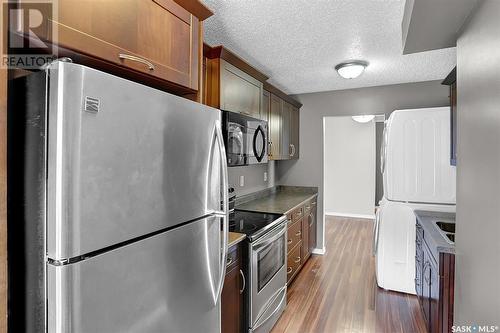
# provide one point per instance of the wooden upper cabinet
(286, 117)
(283, 125)
(294, 132)
(266, 105)
(232, 84)
(239, 92)
(156, 37)
(274, 127)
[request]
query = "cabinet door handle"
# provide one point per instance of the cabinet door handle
(298, 233)
(150, 65)
(244, 282)
(229, 261)
(297, 260)
(289, 241)
(289, 270)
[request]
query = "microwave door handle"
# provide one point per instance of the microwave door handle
(258, 156)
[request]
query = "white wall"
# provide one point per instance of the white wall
(349, 170)
(477, 273)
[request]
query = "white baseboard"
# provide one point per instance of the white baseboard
(319, 251)
(357, 216)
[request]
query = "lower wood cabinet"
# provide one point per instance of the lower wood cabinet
(232, 317)
(301, 236)
(434, 284)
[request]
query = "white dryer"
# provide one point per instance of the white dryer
(417, 175)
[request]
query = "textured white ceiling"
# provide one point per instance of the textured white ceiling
(297, 43)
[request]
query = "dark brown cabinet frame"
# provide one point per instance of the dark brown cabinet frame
(434, 284)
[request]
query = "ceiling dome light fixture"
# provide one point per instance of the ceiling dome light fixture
(363, 119)
(351, 69)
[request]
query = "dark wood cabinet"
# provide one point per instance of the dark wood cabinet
(232, 312)
(284, 117)
(157, 38)
(301, 236)
(232, 84)
(294, 132)
(434, 284)
(451, 81)
(312, 223)
(274, 127)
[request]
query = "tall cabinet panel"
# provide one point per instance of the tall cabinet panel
(266, 105)
(276, 107)
(294, 132)
(286, 114)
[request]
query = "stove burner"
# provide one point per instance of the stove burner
(250, 223)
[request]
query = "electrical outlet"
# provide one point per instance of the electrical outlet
(242, 181)
(265, 176)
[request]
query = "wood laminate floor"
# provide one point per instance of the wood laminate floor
(337, 292)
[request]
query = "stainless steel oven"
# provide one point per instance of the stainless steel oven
(267, 272)
(245, 138)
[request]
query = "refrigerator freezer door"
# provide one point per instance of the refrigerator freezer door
(417, 157)
(125, 160)
(164, 283)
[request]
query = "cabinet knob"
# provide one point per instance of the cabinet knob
(297, 260)
(289, 270)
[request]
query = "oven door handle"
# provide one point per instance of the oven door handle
(276, 309)
(272, 236)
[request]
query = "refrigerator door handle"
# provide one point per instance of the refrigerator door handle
(223, 160)
(225, 207)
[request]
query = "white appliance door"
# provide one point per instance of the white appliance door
(165, 283)
(394, 243)
(125, 160)
(416, 166)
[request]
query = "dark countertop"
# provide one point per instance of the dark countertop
(234, 238)
(432, 236)
(278, 200)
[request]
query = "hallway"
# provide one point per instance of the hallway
(337, 292)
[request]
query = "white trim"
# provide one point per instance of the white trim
(358, 216)
(319, 251)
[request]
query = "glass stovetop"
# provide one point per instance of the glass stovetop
(250, 223)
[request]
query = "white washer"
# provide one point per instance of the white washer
(395, 245)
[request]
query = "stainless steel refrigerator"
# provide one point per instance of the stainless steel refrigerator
(117, 206)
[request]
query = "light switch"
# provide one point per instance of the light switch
(242, 181)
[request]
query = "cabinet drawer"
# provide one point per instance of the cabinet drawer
(293, 262)
(156, 37)
(297, 214)
(307, 208)
(294, 234)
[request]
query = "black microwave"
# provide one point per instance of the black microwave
(245, 139)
